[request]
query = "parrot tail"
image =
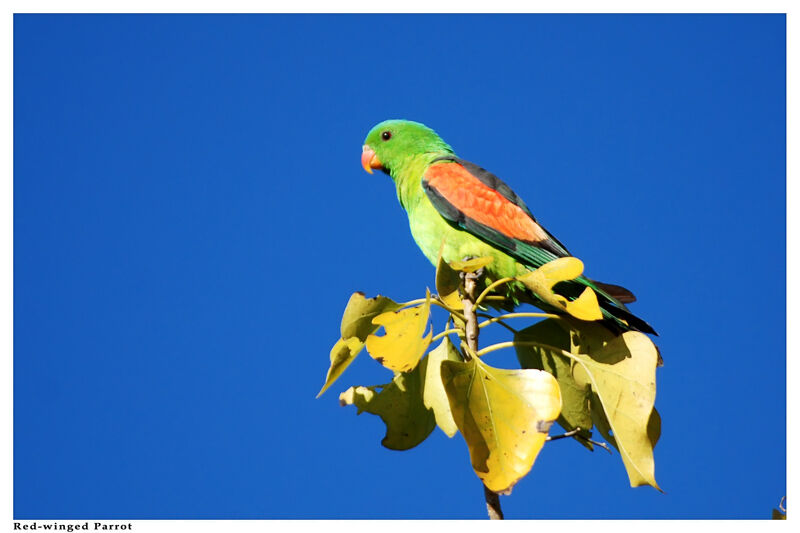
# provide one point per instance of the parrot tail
(622, 314)
(615, 291)
(612, 299)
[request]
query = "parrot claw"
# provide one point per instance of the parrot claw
(475, 274)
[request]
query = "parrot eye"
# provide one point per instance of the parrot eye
(386, 135)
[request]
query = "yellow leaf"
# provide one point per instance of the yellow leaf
(585, 306)
(562, 269)
(342, 354)
(623, 378)
(504, 415)
(542, 280)
(405, 342)
(575, 390)
(471, 265)
(356, 326)
(620, 371)
(435, 397)
(358, 315)
(447, 284)
(400, 406)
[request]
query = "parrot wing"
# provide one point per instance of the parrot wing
(477, 201)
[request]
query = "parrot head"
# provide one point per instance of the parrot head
(392, 142)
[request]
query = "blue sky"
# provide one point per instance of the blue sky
(190, 218)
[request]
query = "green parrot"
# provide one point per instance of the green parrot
(463, 210)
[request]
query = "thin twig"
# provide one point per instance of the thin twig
(564, 435)
(576, 433)
(596, 443)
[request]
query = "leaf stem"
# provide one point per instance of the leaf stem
(501, 322)
(447, 308)
(516, 315)
(510, 344)
(446, 332)
(435, 300)
(488, 289)
(468, 350)
(500, 346)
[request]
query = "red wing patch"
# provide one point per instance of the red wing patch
(482, 203)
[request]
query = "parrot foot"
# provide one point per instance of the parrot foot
(476, 274)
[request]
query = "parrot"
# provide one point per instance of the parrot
(458, 210)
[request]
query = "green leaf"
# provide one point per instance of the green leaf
(542, 280)
(504, 416)
(342, 354)
(400, 405)
(621, 373)
(358, 315)
(435, 396)
(575, 396)
(405, 342)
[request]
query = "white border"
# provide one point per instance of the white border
(404, 6)
(359, 6)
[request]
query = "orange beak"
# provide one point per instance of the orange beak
(369, 160)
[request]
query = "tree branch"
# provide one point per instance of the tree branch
(492, 504)
(470, 314)
(470, 280)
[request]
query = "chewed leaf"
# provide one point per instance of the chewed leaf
(356, 326)
(471, 265)
(542, 280)
(504, 415)
(400, 406)
(342, 354)
(358, 315)
(435, 397)
(405, 342)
